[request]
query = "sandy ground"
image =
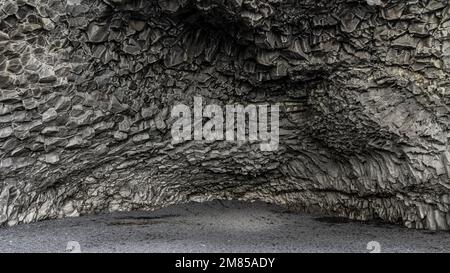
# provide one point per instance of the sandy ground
(229, 226)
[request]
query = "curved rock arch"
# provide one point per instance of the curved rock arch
(87, 87)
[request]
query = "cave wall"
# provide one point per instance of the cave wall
(87, 88)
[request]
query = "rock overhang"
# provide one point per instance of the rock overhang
(87, 87)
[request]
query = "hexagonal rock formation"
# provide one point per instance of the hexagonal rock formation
(87, 88)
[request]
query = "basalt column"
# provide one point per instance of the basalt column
(87, 88)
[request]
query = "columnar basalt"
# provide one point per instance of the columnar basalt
(87, 87)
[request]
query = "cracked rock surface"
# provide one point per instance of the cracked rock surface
(87, 87)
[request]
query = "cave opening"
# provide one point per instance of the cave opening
(87, 89)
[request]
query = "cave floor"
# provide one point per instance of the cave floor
(218, 226)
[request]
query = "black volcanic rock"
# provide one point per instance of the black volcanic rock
(87, 87)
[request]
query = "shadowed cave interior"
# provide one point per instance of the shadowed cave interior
(87, 88)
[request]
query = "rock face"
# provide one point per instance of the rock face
(87, 87)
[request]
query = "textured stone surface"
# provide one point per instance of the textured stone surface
(225, 226)
(86, 89)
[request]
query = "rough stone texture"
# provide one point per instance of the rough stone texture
(225, 226)
(87, 86)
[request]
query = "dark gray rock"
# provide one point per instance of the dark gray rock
(86, 88)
